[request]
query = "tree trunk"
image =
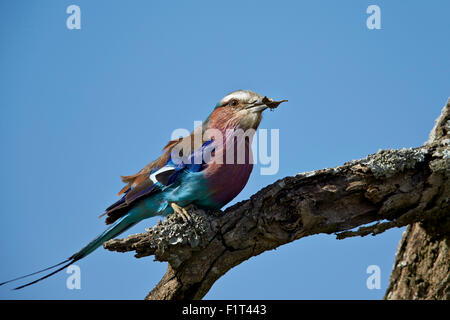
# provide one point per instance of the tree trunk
(422, 262)
(422, 268)
(392, 188)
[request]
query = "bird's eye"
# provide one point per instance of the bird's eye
(233, 103)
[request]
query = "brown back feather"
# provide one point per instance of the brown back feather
(135, 179)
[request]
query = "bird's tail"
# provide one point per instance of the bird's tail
(113, 231)
(121, 225)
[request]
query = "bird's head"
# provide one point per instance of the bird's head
(241, 109)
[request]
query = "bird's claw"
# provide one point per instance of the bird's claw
(182, 212)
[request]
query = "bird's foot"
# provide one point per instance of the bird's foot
(182, 212)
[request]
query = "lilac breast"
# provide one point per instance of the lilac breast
(227, 179)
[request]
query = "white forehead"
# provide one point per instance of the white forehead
(241, 95)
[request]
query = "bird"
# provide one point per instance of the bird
(206, 169)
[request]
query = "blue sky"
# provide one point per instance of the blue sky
(78, 108)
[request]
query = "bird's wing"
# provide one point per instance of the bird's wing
(155, 175)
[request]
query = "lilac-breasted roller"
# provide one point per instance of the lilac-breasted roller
(206, 169)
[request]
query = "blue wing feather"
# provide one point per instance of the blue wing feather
(149, 186)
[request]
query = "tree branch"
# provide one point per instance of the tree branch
(391, 188)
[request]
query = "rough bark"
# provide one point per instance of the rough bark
(422, 262)
(392, 188)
